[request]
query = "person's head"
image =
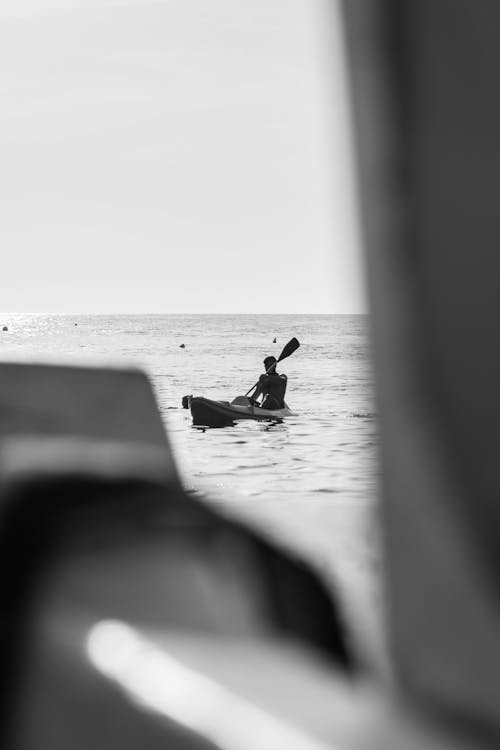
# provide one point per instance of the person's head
(270, 364)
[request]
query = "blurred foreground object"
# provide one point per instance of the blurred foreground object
(98, 540)
(427, 117)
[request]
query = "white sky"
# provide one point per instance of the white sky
(175, 156)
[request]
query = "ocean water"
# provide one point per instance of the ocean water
(309, 482)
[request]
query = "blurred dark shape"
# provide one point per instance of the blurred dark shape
(427, 116)
(82, 402)
(182, 346)
(95, 526)
(186, 401)
(5, 328)
(274, 340)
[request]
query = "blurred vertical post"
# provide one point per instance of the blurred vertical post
(427, 116)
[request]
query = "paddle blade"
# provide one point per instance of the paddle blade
(289, 348)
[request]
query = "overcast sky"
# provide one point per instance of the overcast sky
(175, 156)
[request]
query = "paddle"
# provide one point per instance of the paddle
(288, 349)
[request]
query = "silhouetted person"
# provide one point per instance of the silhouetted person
(271, 386)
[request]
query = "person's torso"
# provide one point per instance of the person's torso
(275, 386)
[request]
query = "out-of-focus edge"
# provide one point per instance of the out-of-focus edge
(442, 613)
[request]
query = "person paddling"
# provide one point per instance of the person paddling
(271, 386)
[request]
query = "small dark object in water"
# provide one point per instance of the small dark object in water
(76, 324)
(5, 328)
(186, 401)
(274, 340)
(182, 346)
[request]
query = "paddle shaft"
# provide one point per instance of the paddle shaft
(288, 349)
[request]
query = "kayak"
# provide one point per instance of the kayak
(208, 413)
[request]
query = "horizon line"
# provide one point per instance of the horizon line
(145, 312)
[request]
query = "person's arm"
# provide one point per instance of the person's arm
(258, 390)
